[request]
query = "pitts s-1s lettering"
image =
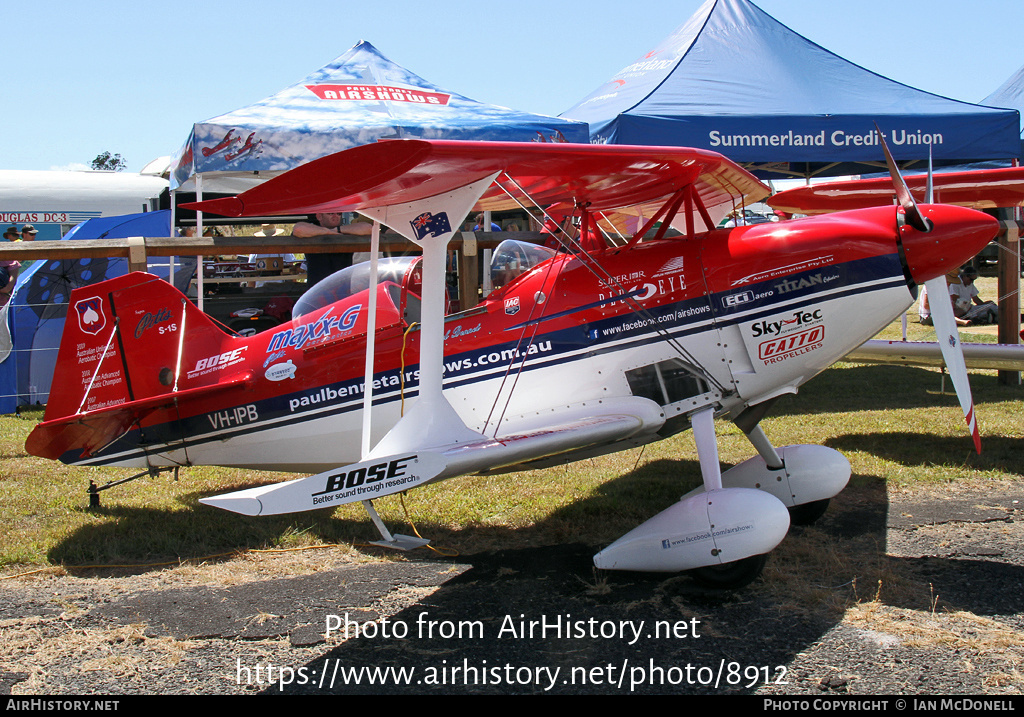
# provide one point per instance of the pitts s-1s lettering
(594, 346)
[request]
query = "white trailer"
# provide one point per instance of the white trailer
(55, 201)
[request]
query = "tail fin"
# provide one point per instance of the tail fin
(122, 355)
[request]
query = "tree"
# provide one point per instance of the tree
(106, 160)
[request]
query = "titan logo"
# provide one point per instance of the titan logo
(805, 282)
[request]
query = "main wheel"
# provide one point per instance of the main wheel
(730, 576)
(808, 512)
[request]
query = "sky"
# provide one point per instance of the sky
(80, 78)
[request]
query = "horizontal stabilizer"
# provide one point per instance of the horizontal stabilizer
(92, 430)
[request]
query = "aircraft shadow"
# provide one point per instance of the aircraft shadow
(662, 631)
(723, 641)
(1004, 454)
(136, 534)
(879, 388)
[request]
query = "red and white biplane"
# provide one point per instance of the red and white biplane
(579, 352)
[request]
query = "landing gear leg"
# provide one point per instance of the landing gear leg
(738, 573)
(764, 447)
(804, 514)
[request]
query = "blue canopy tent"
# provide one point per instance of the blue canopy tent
(32, 322)
(1011, 96)
(734, 80)
(357, 99)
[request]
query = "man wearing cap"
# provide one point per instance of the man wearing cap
(8, 269)
(28, 233)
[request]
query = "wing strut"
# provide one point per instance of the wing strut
(656, 218)
(672, 206)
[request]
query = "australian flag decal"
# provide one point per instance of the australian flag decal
(433, 224)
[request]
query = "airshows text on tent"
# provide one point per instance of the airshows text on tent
(838, 138)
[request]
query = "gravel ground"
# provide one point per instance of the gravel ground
(910, 593)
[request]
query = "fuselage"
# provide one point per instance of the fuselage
(741, 315)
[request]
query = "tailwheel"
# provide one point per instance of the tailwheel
(731, 576)
(808, 513)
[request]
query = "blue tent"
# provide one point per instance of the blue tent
(32, 322)
(734, 80)
(359, 98)
(1011, 96)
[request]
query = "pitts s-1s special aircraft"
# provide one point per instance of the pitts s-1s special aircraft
(598, 347)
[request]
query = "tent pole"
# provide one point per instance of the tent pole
(170, 234)
(199, 233)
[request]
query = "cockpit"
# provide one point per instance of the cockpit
(514, 258)
(403, 278)
(397, 273)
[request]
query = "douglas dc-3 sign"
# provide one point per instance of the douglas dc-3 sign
(591, 350)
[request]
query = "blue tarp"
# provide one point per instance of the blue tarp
(359, 98)
(35, 315)
(734, 80)
(1011, 96)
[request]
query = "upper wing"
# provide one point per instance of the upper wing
(394, 172)
(978, 189)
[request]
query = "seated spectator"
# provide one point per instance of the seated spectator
(968, 306)
(924, 311)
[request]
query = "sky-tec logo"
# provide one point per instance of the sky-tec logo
(776, 328)
(299, 336)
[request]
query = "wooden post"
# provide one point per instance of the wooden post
(1009, 293)
(137, 254)
(469, 271)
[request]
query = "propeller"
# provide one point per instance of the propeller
(942, 309)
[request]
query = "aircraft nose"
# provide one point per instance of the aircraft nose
(957, 235)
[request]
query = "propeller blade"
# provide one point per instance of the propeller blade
(914, 216)
(952, 352)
